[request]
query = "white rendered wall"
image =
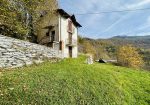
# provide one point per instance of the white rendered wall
(64, 36)
(75, 48)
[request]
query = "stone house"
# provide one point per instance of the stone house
(59, 31)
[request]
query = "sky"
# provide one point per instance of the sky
(107, 25)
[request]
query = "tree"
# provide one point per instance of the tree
(89, 48)
(34, 10)
(19, 18)
(10, 23)
(128, 56)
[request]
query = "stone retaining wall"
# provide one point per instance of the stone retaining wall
(17, 53)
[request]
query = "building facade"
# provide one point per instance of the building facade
(59, 31)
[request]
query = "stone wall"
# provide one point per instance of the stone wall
(17, 53)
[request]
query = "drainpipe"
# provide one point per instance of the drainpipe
(60, 27)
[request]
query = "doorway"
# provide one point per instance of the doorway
(70, 51)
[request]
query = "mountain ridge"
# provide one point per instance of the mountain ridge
(131, 37)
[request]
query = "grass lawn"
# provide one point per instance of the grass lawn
(72, 82)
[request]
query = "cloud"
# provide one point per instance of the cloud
(107, 24)
(139, 4)
(129, 6)
(148, 20)
(115, 23)
(145, 25)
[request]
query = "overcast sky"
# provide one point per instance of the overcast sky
(112, 24)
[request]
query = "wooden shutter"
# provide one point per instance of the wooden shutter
(69, 25)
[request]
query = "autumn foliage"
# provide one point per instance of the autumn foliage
(20, 18)
(128, 56)
(89, 48)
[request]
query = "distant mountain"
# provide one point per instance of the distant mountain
(132, 37)
(138, 41)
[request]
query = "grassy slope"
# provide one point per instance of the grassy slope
(71, 82)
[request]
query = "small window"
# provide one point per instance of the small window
(53, 32)
(47, 33)
(53, 35)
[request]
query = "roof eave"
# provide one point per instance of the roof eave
(66, 15)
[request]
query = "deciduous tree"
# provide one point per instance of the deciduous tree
(20, 17)
(128, 56)
(88, 48)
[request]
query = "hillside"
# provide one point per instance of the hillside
(132, 37)
(138, 41)
(106, 48)
(142, 42)
(72, 82)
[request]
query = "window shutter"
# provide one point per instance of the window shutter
(69, 25)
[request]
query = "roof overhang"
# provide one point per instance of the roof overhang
(49, 27)
(66, 15)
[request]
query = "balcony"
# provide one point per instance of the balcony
(47, 39)
(71, 42)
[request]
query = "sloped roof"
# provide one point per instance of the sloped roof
(66, 15)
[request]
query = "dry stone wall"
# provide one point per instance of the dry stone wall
(17, 53)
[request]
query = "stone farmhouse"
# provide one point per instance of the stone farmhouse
(58, 39)
(59, 32)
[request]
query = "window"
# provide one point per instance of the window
(70, 38)
(47, 33)
(53, 36)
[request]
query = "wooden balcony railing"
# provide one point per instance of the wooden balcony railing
(71, 42)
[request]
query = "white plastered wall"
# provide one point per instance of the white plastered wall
(64, 36)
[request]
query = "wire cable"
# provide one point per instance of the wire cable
(116, 11)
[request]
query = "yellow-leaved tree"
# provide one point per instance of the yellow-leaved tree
(128, 56)
(20, 18)
(89, 48)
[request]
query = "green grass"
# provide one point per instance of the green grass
(72, 82)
